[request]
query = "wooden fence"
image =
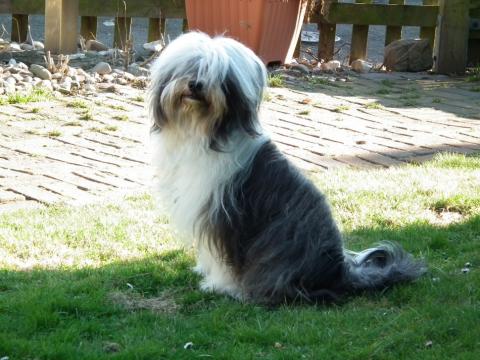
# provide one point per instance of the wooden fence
(61, 24)
(444, 22)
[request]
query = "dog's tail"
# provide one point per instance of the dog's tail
(381, 266)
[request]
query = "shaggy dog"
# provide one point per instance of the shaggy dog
(263, 231)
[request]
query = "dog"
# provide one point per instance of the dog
(263, 232)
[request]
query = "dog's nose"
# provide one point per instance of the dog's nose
(195, 86)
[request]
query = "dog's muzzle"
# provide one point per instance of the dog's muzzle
(194, 91)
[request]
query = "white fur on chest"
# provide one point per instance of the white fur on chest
(189, 175)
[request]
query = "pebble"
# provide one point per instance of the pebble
(38, 45)
(46, 84)
(102, 68)
(15, 47)
(11, 80)
(136, 70)
(361, 66)
(332, 65)
(304, 69)
(108, 78)
(121, 81)
(9, 87)
(17, 77)
(154, 46)
(71, 72)
(94, 45)
(77, 56)
(26, 47)
(40, 71)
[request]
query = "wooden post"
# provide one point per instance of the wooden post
(19, 27)
(451, 43)
(122, 31)
(428, 32)
(326, 43)
(394, 32)
(358, 49)
(61, 26)
(156, 28)
(88, 27)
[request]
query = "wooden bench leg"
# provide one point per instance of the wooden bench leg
(61, 26)
(19, 27)
(451, 42)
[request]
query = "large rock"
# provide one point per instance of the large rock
(40, 72)
(408, 55)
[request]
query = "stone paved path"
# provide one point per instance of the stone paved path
(86, 149)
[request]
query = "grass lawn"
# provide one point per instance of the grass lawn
(109, 281)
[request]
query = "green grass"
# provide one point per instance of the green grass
(275, 80)
(121, 117)
(78, 104)
(384, 91)
(87, 115)
(34, 95)
(109, 281)
(387, 83)
(341, 108)
(138, 98)
(117, 107)
(304, 112)
(54, 133)
(374, 105)
(474, 74)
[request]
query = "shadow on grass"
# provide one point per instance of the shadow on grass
(151, 307)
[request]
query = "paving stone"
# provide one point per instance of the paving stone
(306, 121)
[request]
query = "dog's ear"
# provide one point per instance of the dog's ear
(240, 113)
(156, 111)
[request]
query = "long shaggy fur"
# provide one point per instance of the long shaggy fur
(263, 231)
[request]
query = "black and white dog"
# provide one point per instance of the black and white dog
(263, 231)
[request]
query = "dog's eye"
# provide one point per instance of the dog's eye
(195, 86)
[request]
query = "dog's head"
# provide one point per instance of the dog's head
(207, 87)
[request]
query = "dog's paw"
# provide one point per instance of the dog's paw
(198, 269)
(231, 289)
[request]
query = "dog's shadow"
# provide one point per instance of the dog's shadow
(166, 283)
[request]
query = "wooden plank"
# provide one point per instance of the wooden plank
(156, 28)
(28, 7)
(135, 8)
(61, 24)
(378, 14)
(394, 32)
(88, 27)
(452, 37)
(326, 44)
(358, 47)
(428, 32)
(122, 34)
(5, 6)
(19, 27)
